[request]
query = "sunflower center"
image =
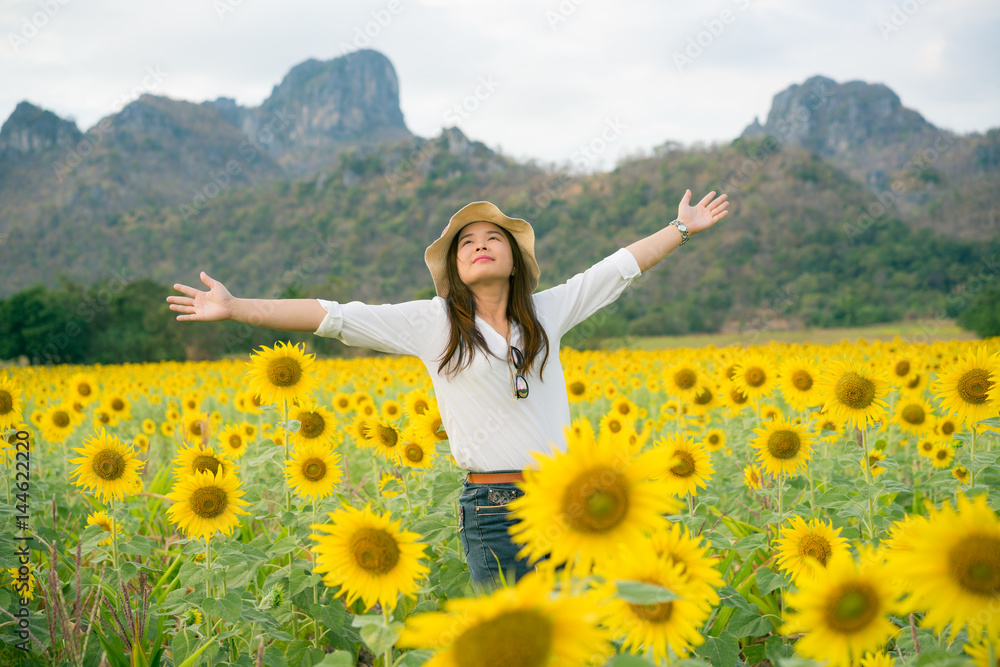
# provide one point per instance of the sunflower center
(413, 452)
(855, 391)
(927, 445)
(653, 613)
(311, 424)
(942, 454)
(420, 406)
(205, 462)
(117, 404)
(577, 388)
(685, 378)
(902, 368)
(60, 418)
(83, 389)
(713, 439)
(784, 444)
(802, 380)
(284, 372)
(972, 386)
(109, 465)
(386, 435)
(704, 397)
(975, 563)
(852, 608)
(913, 414)
(912, 384)
(374, 550)
(947, 427)
(208, 502)
(596, 501)
(313, 469)
(235, 441)
(684, 464)
(624, 408)
(521, 637)
(737, 396)
(614, 426)
(196, 428)
(815, 546)
(755, 376)
(6, 402)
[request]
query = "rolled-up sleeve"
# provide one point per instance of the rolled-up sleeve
(581, 296)
(404, 328)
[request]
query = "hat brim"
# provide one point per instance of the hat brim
(436, 255)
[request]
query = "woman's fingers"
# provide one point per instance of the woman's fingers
(190, 291)
(183, 300)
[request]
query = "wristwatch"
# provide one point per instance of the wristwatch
(683, 229)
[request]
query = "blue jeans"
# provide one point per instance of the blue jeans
(483, 520)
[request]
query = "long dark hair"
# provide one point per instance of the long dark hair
(465, 335)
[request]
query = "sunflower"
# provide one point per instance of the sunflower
(141, 442)
(416, 403)
(980, 650)
(625, 408)
(167, 429)
(706, 398)
(946, 426)
(369, 556)
(682, 379)
(249, 431)
(416, 452)
(524, 625)
(108, 524)
(391, 410)
(754, 375)
(879, 659)
(579, 505)
(313, 470)
(803, 548)
(770, 412)
(952, 570)
(943, 455)
(688, 465)
(674, 623)
(842, 609)
(735, 399)
(282, 373)
(195, 459)
(715, 439)
(148, 426)
(205, 502)
(23, 585)
(961, 473)
(753, 477)
(196, 427)
(385, 438)
(232, 441)
(797, 378)
(914, 416)
(58, 423)
(83, 388)
(783, 447)
(317, 425)
(10, 402)
(675, 545)
(853, 393)
(107, 466)
(429, 425)
(577, 387)
(875, 458)
(968, 390)
(119, 406)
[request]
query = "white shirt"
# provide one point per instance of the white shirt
(487, 429)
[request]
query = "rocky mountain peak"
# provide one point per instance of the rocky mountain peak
(31, 129)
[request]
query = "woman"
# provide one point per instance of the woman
(490, 344)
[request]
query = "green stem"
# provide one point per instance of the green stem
(868, 479)
(315, 589)
(406, 489)
(388, 620)
(114, 540)
(208, 579)
(691, 503)
(972, 462)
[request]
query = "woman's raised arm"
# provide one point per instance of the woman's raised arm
(650, 250)
(217, 305)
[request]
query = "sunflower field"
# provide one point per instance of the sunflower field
(783, 504)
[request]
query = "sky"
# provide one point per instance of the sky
(584, 82)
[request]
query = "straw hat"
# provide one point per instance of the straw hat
(436, 255)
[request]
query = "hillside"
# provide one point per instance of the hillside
(840, 216)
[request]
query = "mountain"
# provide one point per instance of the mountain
(846, 209)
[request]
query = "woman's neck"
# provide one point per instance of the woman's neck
(491, 305)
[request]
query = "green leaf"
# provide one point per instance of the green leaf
(933, 658)
(776, 650)
(637, 592)
(768, 581)
(137, 545)
(301, 579)
(992, 421)
(748, 624)
(380, 638)
(331, 615)
(337, 659)
(721, 651)
(230, 607)
(730, 597)
(413, 659)
(758, 541)
(293, 425)
(628, 660)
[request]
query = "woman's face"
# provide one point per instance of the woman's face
(484, 255)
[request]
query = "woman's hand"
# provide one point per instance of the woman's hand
(212, 306)
(705, 214)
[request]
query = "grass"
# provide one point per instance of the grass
(914, 332)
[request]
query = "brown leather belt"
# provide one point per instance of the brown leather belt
(494, 477)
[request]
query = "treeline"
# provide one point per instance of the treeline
(118, 322)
